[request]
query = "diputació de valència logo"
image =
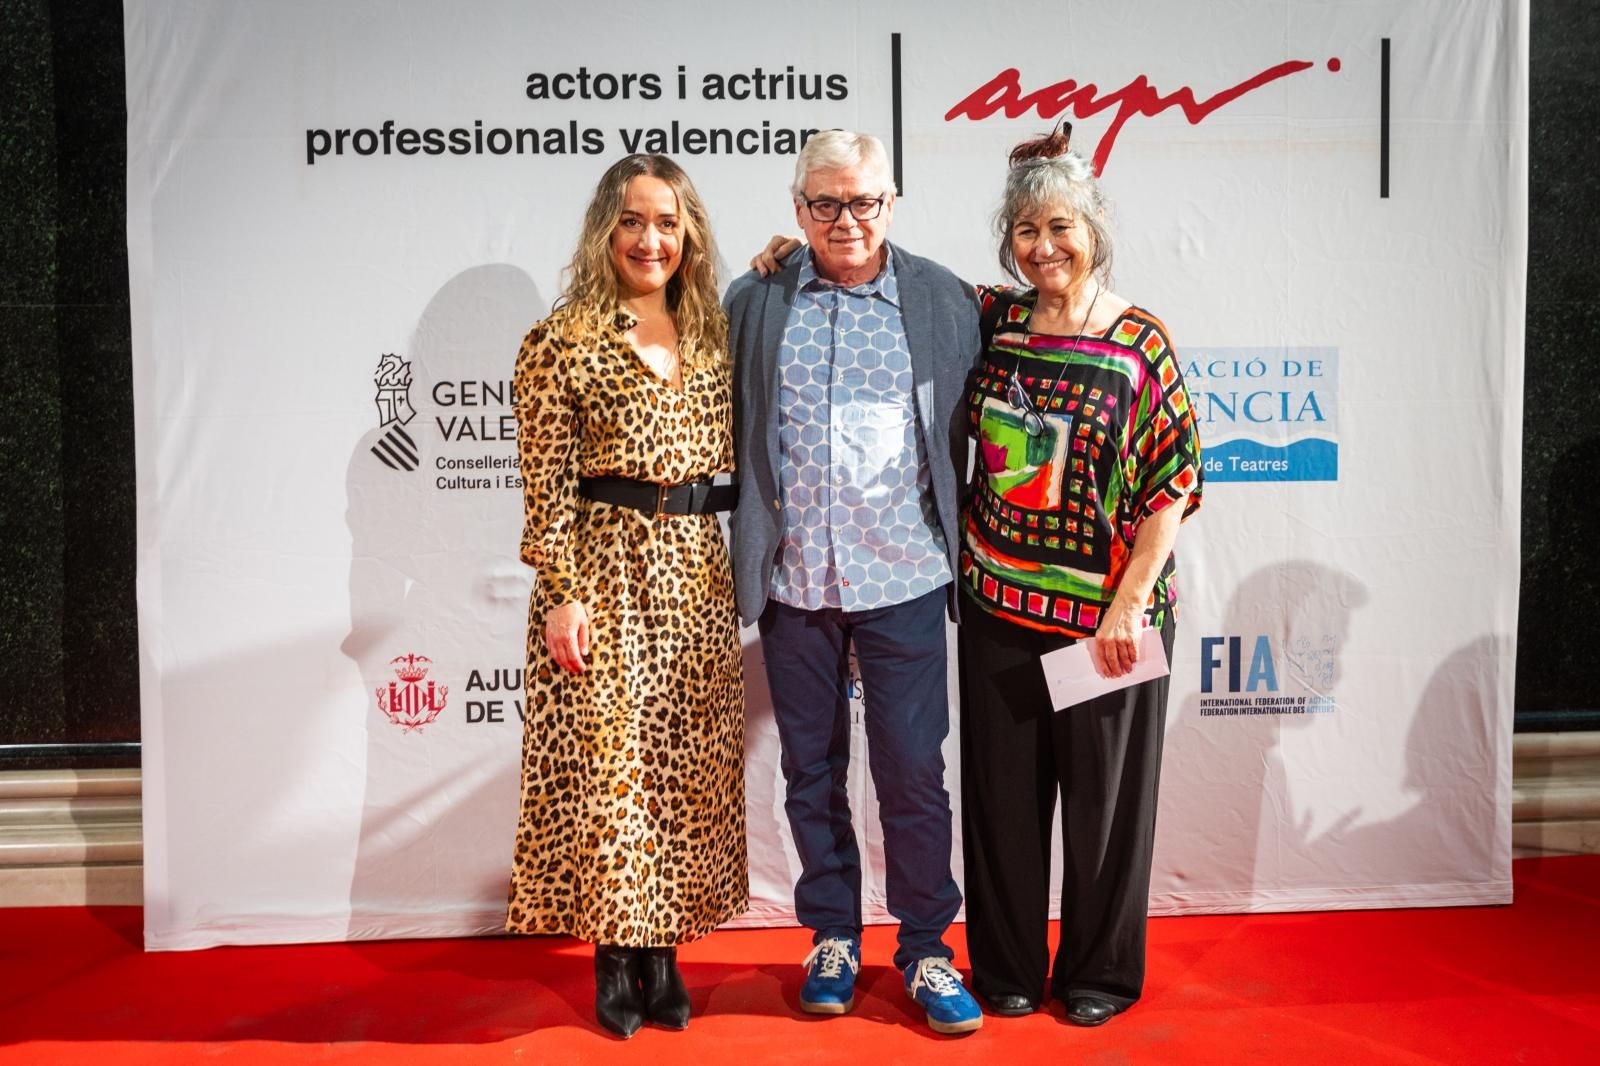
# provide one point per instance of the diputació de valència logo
(411, 701)
(395, 448)
(1266, 414)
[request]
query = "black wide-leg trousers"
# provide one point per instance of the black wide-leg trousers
(1102, 759)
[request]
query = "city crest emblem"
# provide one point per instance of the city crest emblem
(406, 701)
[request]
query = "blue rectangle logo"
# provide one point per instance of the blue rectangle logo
(1266, 414)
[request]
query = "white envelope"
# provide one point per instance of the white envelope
(1072, 678)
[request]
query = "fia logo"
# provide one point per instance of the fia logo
(406, 702)
(1227, 653)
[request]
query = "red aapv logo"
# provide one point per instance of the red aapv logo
(405, 701)
(1003, 92)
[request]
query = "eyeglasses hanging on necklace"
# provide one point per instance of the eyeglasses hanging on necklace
(1017, 393)
(1017, 396)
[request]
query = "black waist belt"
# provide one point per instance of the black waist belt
(698, 497)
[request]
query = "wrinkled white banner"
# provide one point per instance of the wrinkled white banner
(344, 216)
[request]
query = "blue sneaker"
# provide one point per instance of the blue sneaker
(831, 967)
(936, 986)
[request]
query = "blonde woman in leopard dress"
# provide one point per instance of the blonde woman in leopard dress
(631, 833)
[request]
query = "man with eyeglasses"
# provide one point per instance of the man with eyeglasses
(849, 366)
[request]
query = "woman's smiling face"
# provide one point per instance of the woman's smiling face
(647, 241)
(1053, 248)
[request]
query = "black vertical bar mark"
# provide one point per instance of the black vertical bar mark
(894, 76)
(1383, 127)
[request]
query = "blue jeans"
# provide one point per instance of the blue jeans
(901, 652)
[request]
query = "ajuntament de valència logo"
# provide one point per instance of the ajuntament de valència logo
(406, 701)
(395, 449)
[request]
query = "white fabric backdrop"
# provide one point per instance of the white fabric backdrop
(1339, 733)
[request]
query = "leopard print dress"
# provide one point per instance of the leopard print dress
(632, 826)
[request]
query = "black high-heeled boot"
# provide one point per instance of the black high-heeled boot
(666, 1000)
(617, 1003)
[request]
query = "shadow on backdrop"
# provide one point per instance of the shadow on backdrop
(1452, 764)
(1237, 815)
(434, 574)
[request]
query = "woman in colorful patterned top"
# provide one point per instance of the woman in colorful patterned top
(1087, 461)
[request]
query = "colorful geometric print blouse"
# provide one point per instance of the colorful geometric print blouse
(1058, 495)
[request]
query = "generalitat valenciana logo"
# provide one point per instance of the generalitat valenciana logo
(395, 449)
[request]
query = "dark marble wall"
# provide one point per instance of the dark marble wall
(68, 642)
(31, 527)
(1558, 668)
(66, 437)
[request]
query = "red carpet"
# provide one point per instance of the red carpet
(1501, 984)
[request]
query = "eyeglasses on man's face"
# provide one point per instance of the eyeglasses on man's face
(862, 208)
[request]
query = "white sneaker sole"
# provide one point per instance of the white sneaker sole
(952, 1028)
(828, 1008)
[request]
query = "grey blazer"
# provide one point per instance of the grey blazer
(940, 313)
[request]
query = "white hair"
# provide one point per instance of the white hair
(840, 150)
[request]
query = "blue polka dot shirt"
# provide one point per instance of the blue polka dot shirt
(860, 529)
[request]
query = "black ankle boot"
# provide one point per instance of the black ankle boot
(666, 1000)
(617, 1003)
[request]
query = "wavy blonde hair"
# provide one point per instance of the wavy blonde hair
(591, 289)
